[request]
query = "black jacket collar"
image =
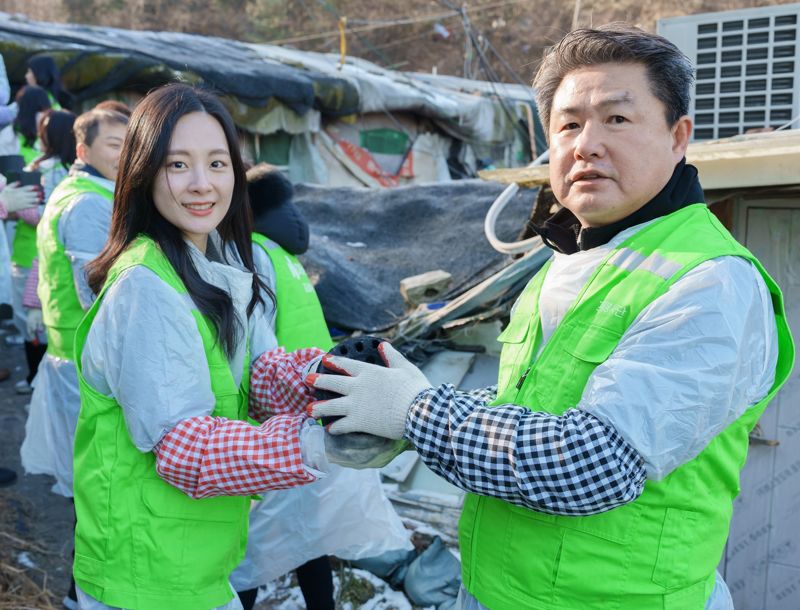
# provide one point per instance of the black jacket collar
(562, 231)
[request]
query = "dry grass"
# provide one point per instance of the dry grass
(20, 588)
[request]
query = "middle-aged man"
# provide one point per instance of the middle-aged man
(72, 232)
(603, 466)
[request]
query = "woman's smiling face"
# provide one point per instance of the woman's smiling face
(194, 188)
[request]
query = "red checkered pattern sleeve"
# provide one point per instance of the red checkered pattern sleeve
(276, 382)
(31, 216)
(213, 456)
(30, 298)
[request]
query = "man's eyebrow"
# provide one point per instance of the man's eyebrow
(616, 100)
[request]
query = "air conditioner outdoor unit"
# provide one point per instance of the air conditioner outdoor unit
(748, 68)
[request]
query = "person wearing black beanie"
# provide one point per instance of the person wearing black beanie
(275, 215)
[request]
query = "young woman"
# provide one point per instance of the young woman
(42, 71)
(173, 356)
(58, 148)
(32, 102)
(58, 145)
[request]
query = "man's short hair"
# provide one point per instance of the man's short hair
(117, 105)
(669, 71)
(88, 124)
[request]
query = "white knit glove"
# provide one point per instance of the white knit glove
(375, 399)
(17, 197)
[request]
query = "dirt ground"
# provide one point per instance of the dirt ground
(35, 524)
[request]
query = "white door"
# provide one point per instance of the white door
(762, 558)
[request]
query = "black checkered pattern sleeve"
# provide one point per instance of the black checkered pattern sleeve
(572, 464)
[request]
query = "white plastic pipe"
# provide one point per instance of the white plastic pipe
(491, 220)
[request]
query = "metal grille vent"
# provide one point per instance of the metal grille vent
(748, 68)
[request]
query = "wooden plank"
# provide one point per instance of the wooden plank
(425, 287)
(765, 159)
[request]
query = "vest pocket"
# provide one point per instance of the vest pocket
(225, 391)
(570, 562)
(585, 347)
(591, 343)
(173, 530)
(531, 563)
(674, 555)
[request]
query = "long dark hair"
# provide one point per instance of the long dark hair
(57, 137)
(31, 99)
(143, 155)
(48, 77)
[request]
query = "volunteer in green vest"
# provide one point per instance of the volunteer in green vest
(174, 355)
(602, 468)
(72, 232)
(280, 233)
(297, 529)
(33, 103)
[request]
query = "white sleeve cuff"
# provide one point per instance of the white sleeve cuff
(312, 448)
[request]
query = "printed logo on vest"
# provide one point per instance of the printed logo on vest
(296, 269)
(612, 309)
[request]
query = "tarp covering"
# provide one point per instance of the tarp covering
(96, 60)
(468, 110)
(364, 241)
(258, 80)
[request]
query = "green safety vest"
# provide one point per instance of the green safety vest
(141, 544)
(29, 153)
(299, 320)
(24, 248)
(661, 550)
(61, 307)
(53, 102)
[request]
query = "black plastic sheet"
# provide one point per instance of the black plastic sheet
(363, 242)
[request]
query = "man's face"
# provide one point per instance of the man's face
(611, 150)
(103, 154)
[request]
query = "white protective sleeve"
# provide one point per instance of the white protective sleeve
(145, 330)
(690, 364)
(83, 229)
